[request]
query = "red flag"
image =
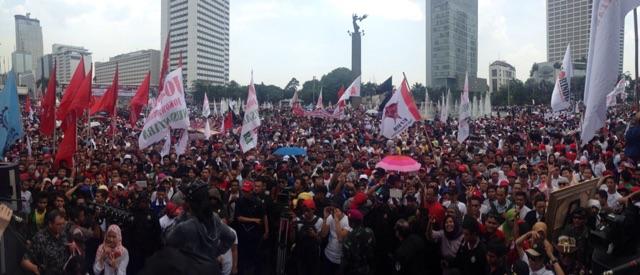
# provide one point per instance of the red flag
(340, 93)
(139, 100)
(82, 98)
(67, 147)
(47, 117)
(108, 101)
(69, 92)
(165, 64)
(27, 105)
(228, 121)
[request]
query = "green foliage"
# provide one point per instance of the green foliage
(519, 93)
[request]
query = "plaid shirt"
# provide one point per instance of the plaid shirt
(48, 252)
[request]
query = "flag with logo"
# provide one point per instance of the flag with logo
(464, 113)
(251, 121)
(399, 113)
(11, 122)
(560, 98)
(607, 20)
(612, 97)
(170, 111)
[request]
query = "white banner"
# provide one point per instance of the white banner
(463, 123)
(251, 122)
(170, 111)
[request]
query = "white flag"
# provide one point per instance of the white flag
(463, 116)
(251, 121)
(399, 113)
(167, 144)
(170, 111)
(352, 90)
(319, 104)
(612, 97)
(607, 19)
(207, 129)
(206, 110)
(215, 107)
(560, 98)
(182, 143)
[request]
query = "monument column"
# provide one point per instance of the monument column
(356, 53)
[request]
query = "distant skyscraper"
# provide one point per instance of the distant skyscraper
(500, 73)
(199, 30)
(132, 68)
(67, 59)
(568, 23)
(29, 40)
(452, 42)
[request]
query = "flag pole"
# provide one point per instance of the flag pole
(635, 88)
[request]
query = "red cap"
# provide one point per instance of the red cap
(24, 176)
(309, 204)
(247, 186)
(258, 167)
(607, 173)
(572, 146)
(172, 208)
(355, 214)
(358, 199)
(462, 168)
(503, 183)
(512, 174)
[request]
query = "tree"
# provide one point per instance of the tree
(293, 85)
(330, 84)
(534, 69)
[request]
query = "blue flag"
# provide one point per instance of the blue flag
(10, 115)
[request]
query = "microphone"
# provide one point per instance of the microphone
(629, 265)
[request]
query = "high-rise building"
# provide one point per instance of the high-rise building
(132, 68)
(452, 42)
(199, 32)
(500, 73)
(568, 23)
(29, 39)
(67, 59)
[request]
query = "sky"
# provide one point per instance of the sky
(281, 39)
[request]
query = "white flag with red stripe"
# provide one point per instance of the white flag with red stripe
(399, 113)
(251, 121)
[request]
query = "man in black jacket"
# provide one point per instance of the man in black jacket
(537, 213)
(410, 253)
(471, 257)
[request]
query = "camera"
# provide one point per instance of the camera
(110, 214)
(615, 235)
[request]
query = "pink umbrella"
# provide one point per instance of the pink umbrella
(399, 163)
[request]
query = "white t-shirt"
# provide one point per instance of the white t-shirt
(165, 222)
(612, 200)
(542, 271)
(227, 258)
(523, 211)
(461, 206)
(333, 251)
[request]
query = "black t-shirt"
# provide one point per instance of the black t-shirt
(249, 208)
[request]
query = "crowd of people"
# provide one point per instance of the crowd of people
(476, 207)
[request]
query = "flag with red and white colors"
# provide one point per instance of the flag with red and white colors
(399, 113)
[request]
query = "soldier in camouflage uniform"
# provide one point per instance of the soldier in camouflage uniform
(358, 247)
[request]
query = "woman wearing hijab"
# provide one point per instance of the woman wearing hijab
(509, 225)
(111, 258)
(449, 238)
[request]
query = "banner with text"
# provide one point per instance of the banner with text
(169, 112)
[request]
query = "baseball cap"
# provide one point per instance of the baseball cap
(355, 214)
(247, 186)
